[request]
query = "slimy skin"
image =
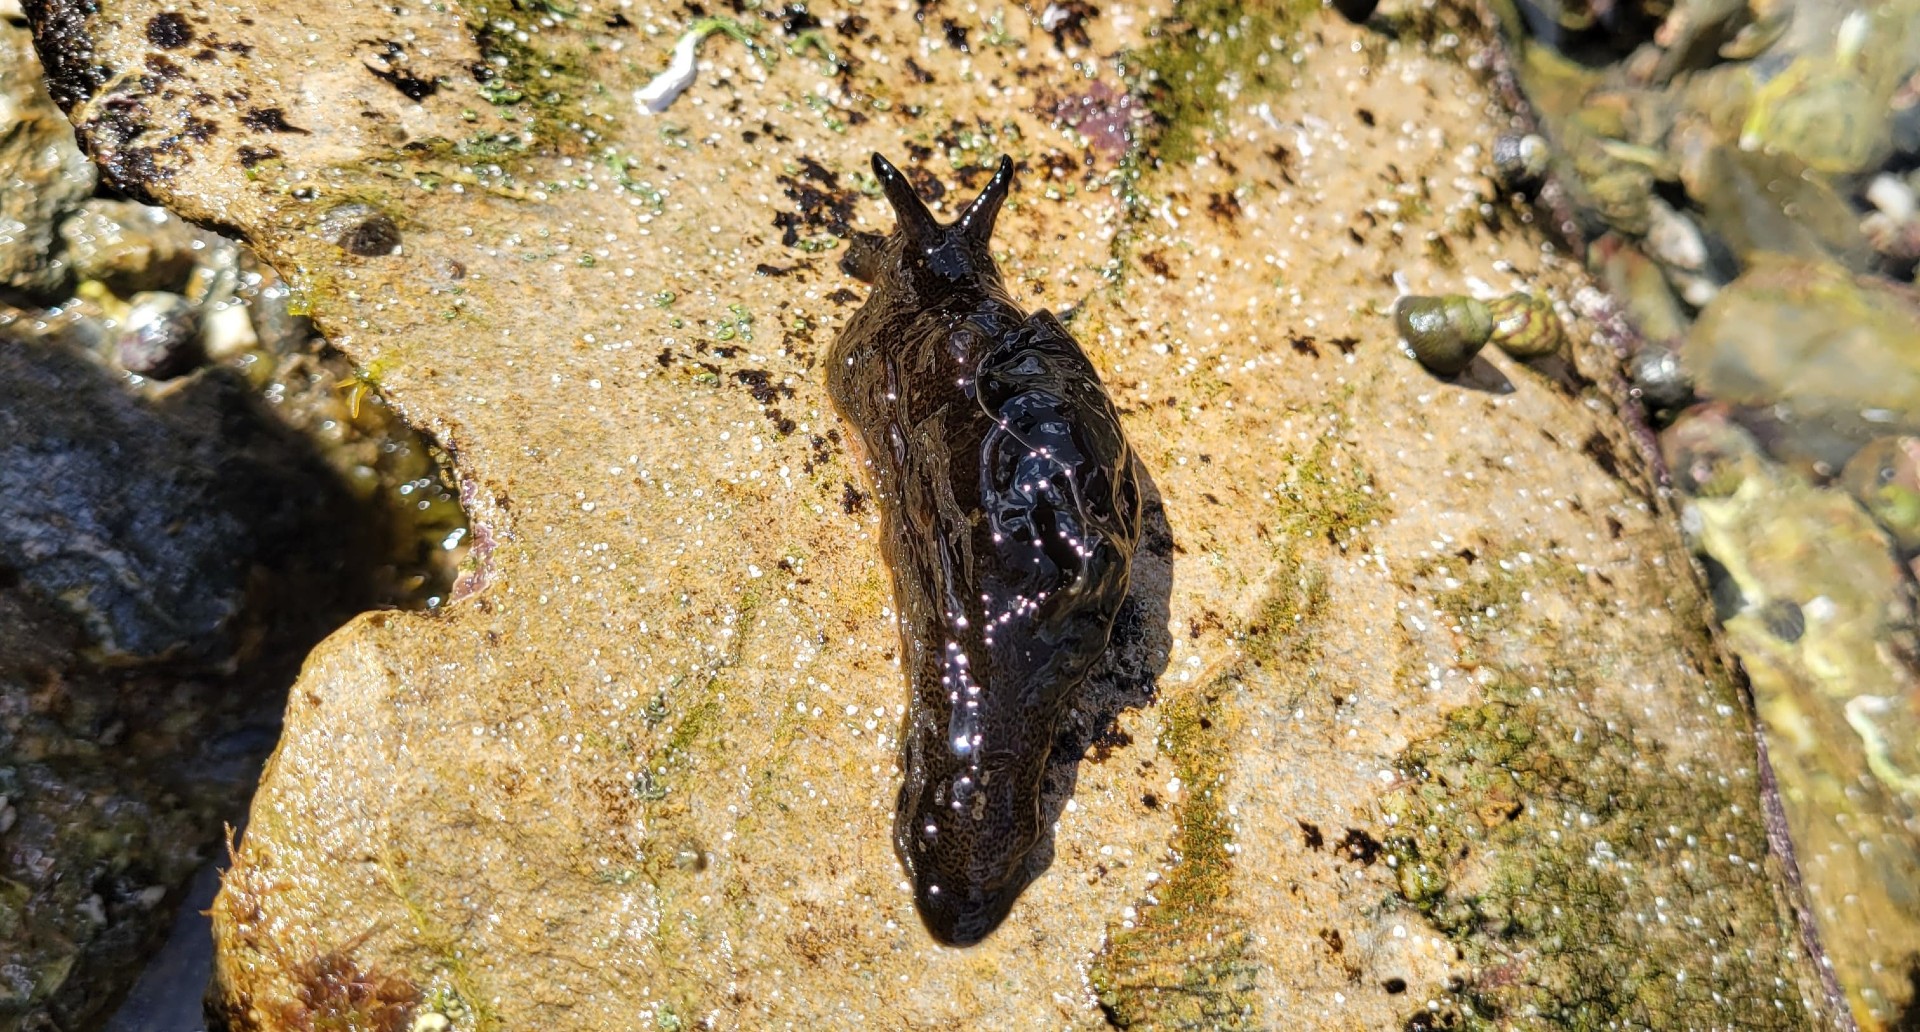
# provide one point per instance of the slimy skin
(1010, 512)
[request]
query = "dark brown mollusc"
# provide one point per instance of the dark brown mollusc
(1010, 512)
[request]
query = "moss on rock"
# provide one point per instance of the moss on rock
(1205, 52)
(1587, 875)
(1188, 962)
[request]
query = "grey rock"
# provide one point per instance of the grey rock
(135, 526)
(145, 522)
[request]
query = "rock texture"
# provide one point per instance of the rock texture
(1438, 740)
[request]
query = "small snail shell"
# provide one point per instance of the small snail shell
(1444, 333)
(1525, 326)
(1663, 383)
(160, 336)
(1520, 161)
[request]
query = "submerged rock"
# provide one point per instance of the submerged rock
(1751, 161)
(129, 247)
(1825, 628)
(1885, 477)
(1810, 336)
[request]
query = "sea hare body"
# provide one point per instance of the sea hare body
(1010, 513)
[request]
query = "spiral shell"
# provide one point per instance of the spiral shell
(1520, 160)
(1662, 382)
(1525, 326)
(160, 336)
(1444, 333)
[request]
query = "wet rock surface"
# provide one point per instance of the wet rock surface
(129, 247)
(1436, 670)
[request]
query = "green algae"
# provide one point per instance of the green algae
(1327, 495)
(1589, 878)
(1207, 51)
(1276, 638)
(1200, 56)
(461, 997)
(1188, 963)
(539, 80)
(698, 718)
(334, 989)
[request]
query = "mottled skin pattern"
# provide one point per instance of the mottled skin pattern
(1010, 513)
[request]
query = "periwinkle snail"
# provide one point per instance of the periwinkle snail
(1443, 332)
(1010, 511)
(1520, 160)
(1446, 332)
(1525, 326)
(1885, 476)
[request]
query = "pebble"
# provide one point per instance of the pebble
(226, 331)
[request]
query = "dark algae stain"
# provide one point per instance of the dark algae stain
(65, 43)
(1011, 511)
(269, 120)
(1359, 847)
(169, 30)
(823, 208)
(410, 86)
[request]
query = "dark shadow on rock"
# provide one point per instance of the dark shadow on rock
(167, 997)
(1558, 370)
(187, 529)
(166, 563)
(1128, 677)
(1483, 376)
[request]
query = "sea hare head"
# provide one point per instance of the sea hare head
(921, 255)
(966, 831)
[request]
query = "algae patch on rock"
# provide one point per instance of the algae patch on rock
(1530, 833)
(1205, 52)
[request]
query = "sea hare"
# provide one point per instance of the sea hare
(1010, 511)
